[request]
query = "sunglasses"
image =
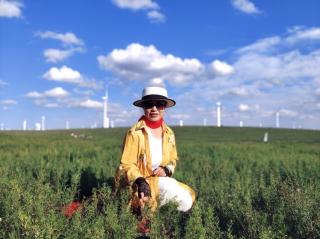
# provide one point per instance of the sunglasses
(160, 105)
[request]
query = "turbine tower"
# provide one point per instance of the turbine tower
(24, 125)
(105, 110)
(205, 122)
(43, 119)
(67, 124)
(37, 126)
(218, 114)
(277, 119)
(181, 123)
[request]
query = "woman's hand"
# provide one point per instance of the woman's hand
(143, 199)
(144, 191)
(159, 172)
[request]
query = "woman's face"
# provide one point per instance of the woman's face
(154, 110)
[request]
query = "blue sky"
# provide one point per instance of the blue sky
(256, 57)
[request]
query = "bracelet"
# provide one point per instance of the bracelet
(167, 171)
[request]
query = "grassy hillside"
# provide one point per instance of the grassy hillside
(245, 187)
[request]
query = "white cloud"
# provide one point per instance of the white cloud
(157, 82)
(245, 6)
(243, 107)
(90, 104)
(10, 8)
(221, 68)
(51, 105)
(56, 98)
(83, 92)
(288, 113)
(271, 75)
(8, 102)
(302, 34)
(156, 16)
(67, 38)
(57, 92)
(56, 55)
(91, 83)
(122, 115)
(249, 108)
(179, 116)
(64, 74)
(138, 62)
(120, 120)
(278, 69)
(117, 109)
(2, 83)
(67, 102)
(262, 45)
(40, 101)
(136, 4)
(34, 94)
(150, 6)
(68, 75)
(216, 52)
(279, 61)
(239, 91)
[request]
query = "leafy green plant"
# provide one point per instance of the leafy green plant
(245, 188)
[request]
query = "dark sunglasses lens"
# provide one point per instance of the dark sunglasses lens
(147, 105)
(158, 104)
(161, 104)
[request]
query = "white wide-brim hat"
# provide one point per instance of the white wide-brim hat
(151, 93)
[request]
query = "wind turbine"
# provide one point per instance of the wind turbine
(218, 114)
(205, 122)
(24, 125)
(277, 119)
(43, 119)
(37, 126)
(105, 110)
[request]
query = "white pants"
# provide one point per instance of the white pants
(171, 191)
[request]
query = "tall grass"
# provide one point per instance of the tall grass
(245, 188)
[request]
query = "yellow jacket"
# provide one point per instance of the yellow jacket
(136, 157)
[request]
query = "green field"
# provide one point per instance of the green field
(245, 188)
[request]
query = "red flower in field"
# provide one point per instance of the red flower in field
(144, 225)
(70, 209)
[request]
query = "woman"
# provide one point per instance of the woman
(149, 156)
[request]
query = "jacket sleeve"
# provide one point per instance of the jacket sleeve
(173, 154)
(129, 158)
